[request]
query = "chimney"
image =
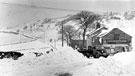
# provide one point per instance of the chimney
(98, 25)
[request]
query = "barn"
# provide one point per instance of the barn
(113, 40)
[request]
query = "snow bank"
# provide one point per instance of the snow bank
(65, 59)
(121, 64)
(124, 58)
(59, 56)
(62, 55)
(67, 53)
(47, 63)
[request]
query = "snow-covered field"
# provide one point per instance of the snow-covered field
(10, 38)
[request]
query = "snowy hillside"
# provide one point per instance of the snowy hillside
(45, 29)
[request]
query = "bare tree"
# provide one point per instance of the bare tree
(68, 31)
(85, 18)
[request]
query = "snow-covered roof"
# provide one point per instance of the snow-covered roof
(95, 31)
(25, 46)
(104, 32)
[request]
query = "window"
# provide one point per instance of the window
(116, 36)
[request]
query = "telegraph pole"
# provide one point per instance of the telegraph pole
(62, 36)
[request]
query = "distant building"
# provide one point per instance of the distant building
(77, 43)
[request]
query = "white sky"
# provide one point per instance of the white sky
(11, 15)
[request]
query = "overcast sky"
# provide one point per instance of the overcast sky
(11, 14)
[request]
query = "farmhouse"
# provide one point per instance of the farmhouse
(113, 40)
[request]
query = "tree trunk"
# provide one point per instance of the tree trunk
(84, 38)
(70, 40)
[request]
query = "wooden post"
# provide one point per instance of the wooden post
(62, 36)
